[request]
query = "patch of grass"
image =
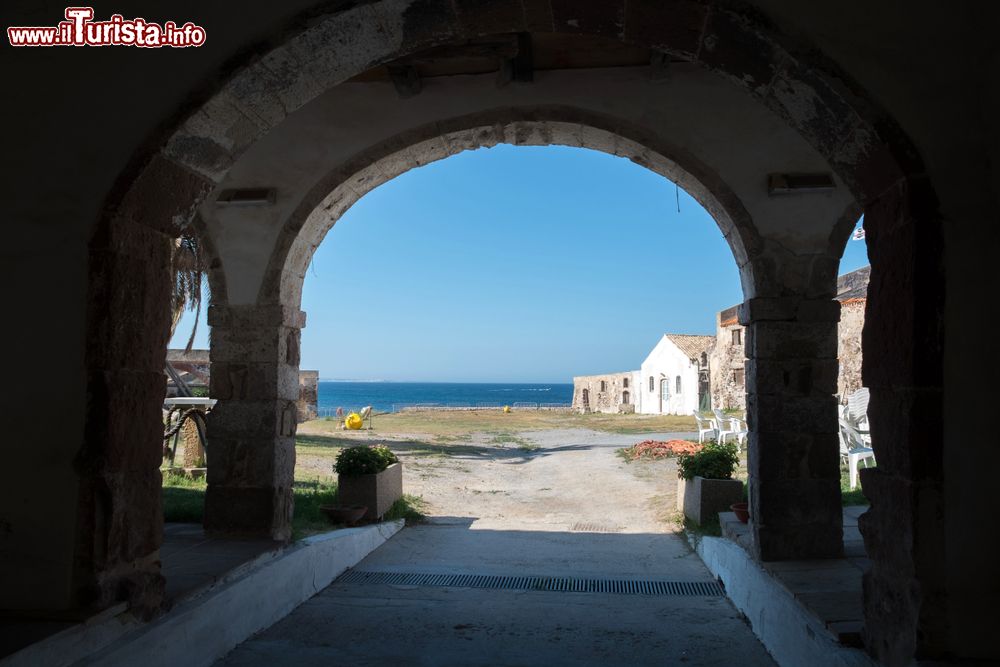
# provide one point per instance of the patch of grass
(183, 504)
(710, 528)
(408, 507)
(184, 501)
(307, 519)
(323, 441)
(509, 438)
(847, 496)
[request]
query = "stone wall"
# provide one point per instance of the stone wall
(727, 362)
(852, 321)
(605, 393)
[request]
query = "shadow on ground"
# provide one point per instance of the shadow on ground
(412, 447)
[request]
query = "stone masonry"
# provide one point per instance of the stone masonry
(612, 393)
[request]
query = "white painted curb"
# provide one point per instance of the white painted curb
(790, 634)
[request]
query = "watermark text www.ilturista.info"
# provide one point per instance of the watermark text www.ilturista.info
(80, 29)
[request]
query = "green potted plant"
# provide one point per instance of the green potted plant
(369, 476)
(706, 485)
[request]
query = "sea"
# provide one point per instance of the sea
(395, 396)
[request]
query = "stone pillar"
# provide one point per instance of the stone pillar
(791, 374)
(921, 571)
(119, 523)
(251, 431)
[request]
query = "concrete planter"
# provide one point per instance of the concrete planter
(700, 499)
(376, 492)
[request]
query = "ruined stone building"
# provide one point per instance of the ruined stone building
(786, 120)
(611, 393)
(728, 355)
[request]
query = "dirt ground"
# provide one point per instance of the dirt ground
(555, 479)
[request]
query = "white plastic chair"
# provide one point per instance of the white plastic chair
(856, 414)
(722, 420)
(854, 450)
(739, 431)
(705, 427)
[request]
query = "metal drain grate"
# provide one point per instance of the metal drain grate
(594, 528)
(532, 583)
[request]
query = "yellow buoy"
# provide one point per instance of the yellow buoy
(354, 421)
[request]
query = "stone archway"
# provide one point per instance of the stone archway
(862, 146)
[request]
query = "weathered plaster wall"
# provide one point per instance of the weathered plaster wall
(610, 399)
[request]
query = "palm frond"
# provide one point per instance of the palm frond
(188, 263)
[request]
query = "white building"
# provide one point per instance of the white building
(674, 375)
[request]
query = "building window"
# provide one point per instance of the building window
(625, 397)
(586, 396)
(603, 385)
(704, 359)
(625, 384)
(738, 376)
(737, 336)
(652, 384)
(678, 385)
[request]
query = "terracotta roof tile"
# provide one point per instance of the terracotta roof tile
(690, 345)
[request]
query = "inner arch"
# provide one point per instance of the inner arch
(339, 190)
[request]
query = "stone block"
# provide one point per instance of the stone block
(250, 461)
(248, 511)
(164, 197)
(700, 498)
(788, 504)
(792, 377)
(794, 455)
(376, 492)
(800, 542)
(777, 413)
(254, 381)
(791, 340)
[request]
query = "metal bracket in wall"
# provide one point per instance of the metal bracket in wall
(792, 184)
(246, 197)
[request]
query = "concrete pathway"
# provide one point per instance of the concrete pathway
(376, 624)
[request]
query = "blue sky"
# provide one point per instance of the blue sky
(513, 264)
